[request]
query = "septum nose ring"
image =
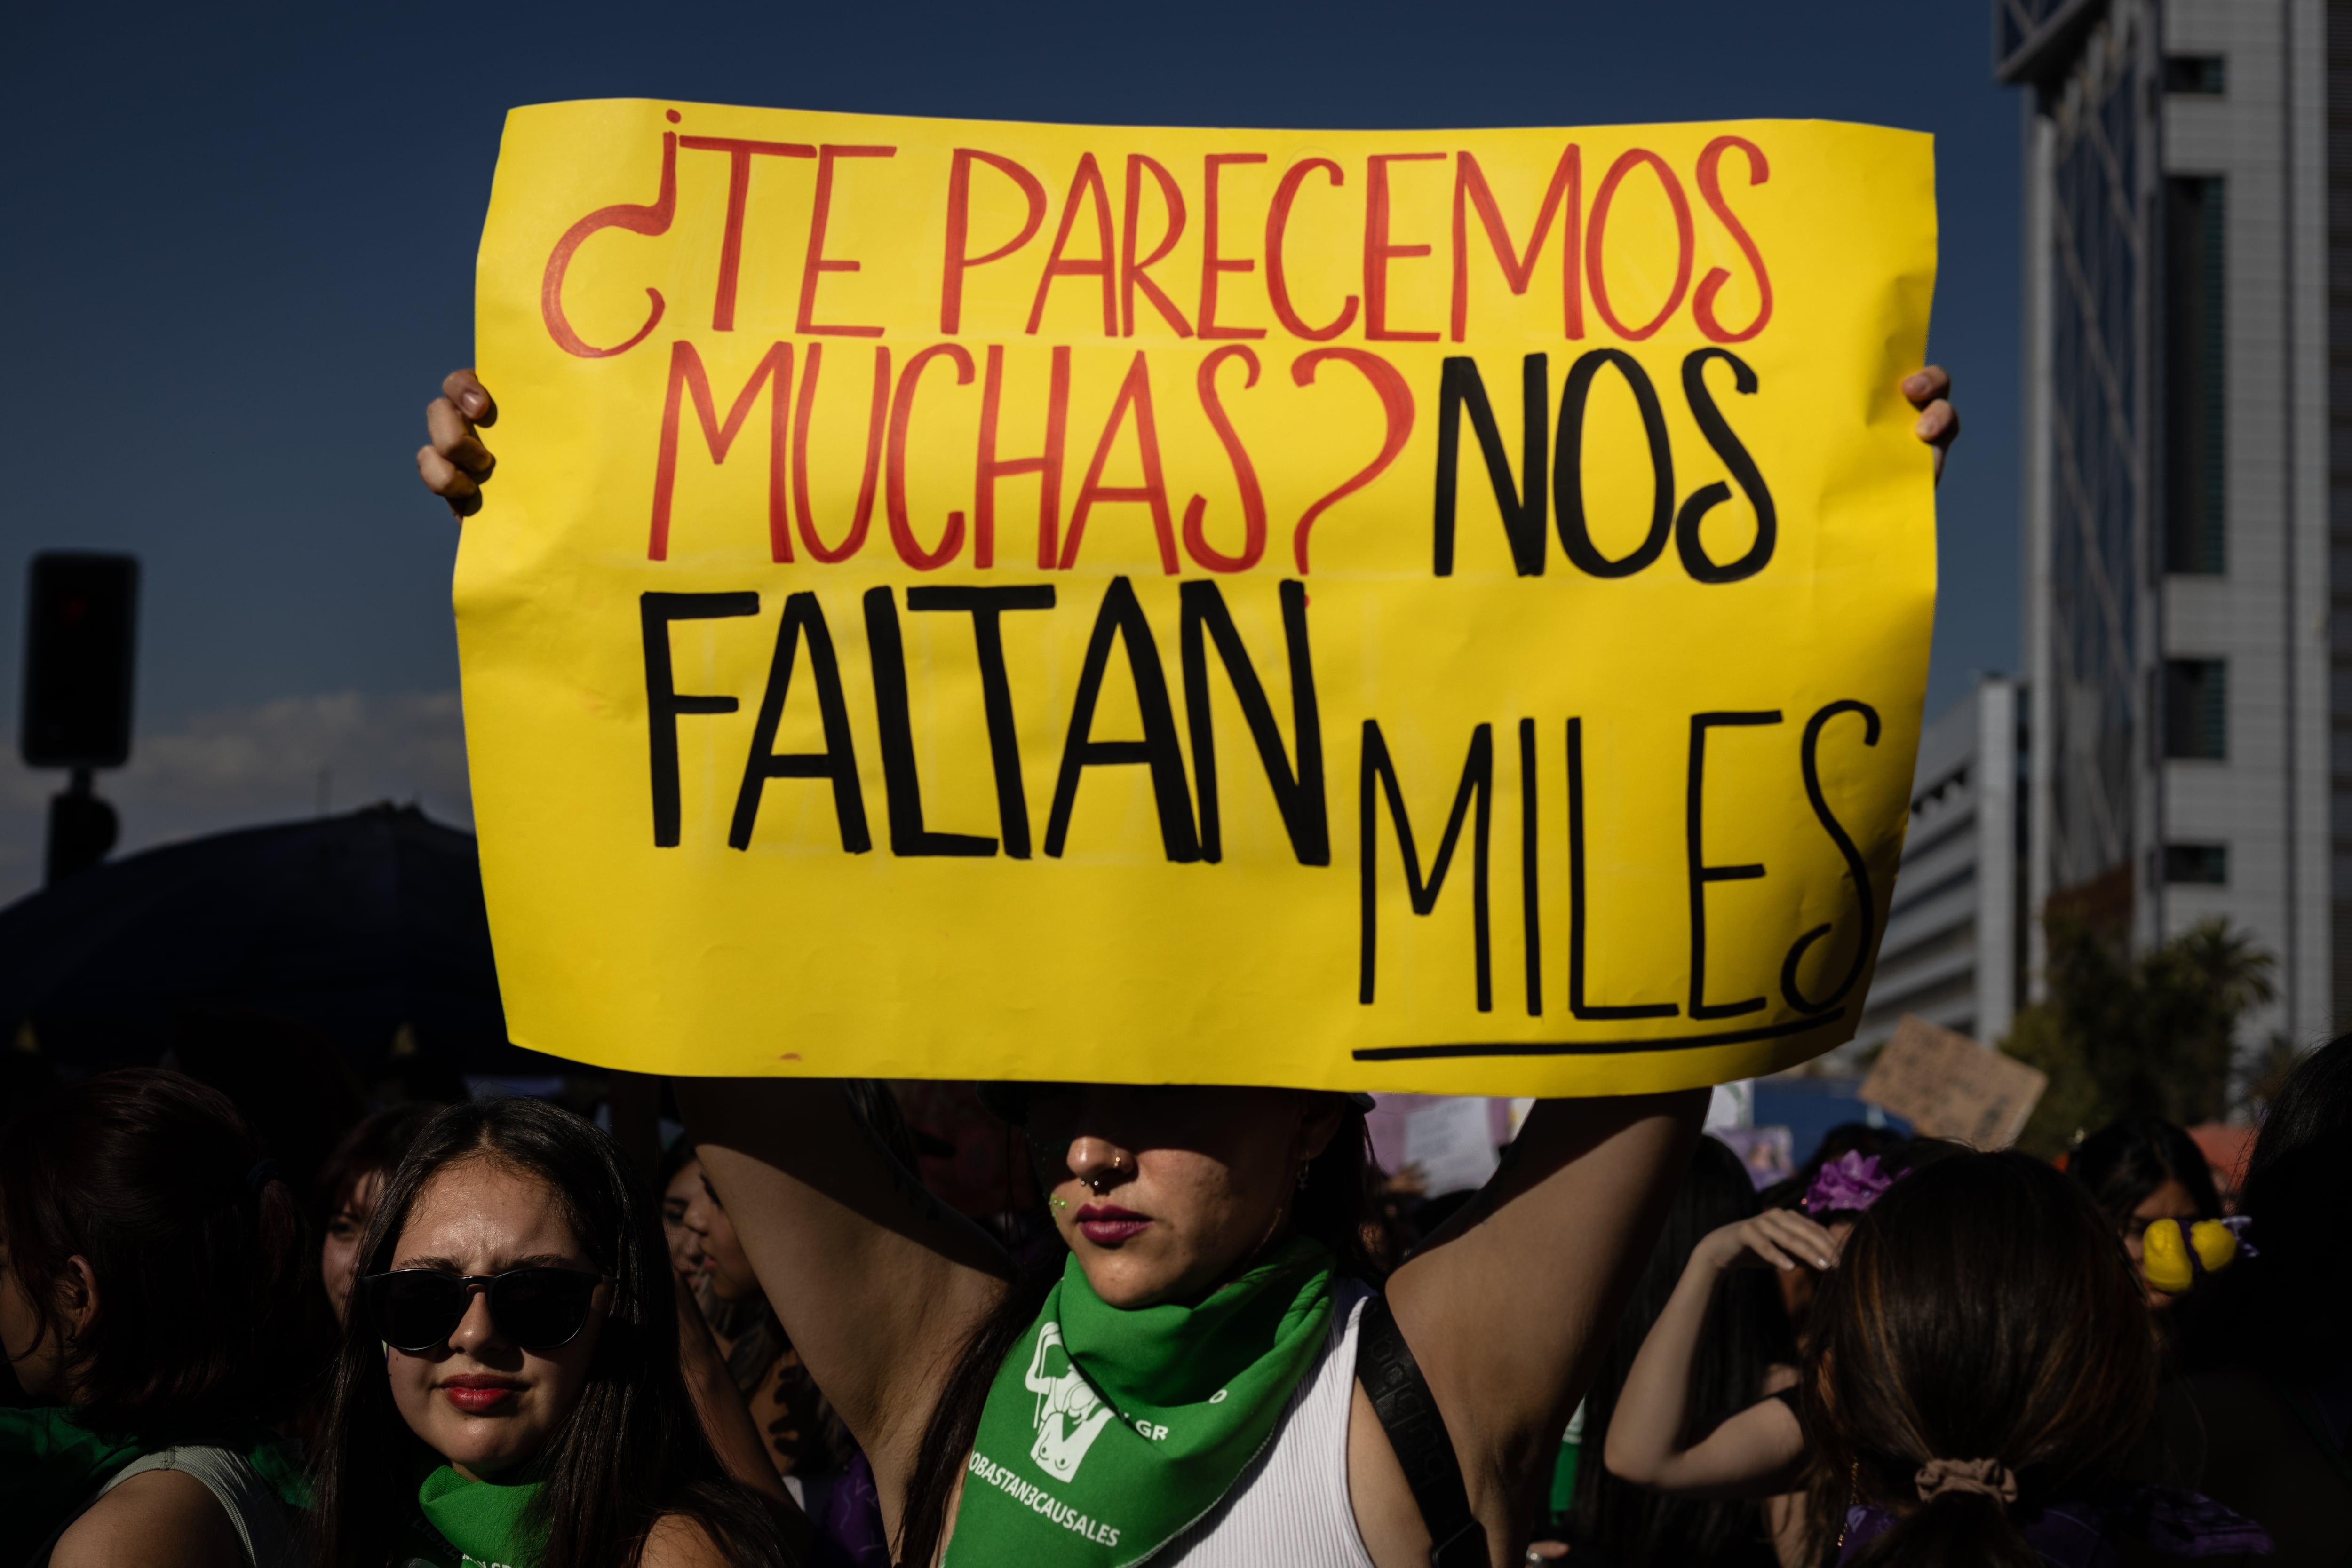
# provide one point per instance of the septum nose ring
(1107, 1175)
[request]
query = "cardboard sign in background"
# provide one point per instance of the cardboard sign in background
(1948, 1086)
(1435, 610)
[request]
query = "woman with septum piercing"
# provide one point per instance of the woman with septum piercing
(1203, 1380)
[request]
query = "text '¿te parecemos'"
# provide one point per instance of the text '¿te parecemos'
(1564, 219)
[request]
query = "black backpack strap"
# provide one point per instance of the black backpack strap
(1409, 1414)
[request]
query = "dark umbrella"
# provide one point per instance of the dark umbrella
(368, 928)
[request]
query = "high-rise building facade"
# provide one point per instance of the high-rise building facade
(1951, 952)
(2187, 491)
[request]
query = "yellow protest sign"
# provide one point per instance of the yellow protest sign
(1439, 611)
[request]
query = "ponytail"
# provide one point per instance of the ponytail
(1982, 1330)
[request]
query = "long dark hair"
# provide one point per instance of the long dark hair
(1984, 1309)
(2125, 1162)
(2281, 1314)
(2311, 1110)
(1330, 1208)
(634, 1450)
(194, 1244)
(1746, 1334)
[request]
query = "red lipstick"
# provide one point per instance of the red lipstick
(478, 1394)
(1108, 1225)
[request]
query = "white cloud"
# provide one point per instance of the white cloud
(244, 767)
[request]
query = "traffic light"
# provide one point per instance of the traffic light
(80, 629)
(80, 643)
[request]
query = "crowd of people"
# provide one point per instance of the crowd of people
(1982, 1358)
(482, 1336)
(1213, 1333)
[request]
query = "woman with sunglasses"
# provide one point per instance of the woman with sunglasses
(509, 1390)
(1184, 1385)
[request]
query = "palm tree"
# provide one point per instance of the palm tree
(2148, 1036)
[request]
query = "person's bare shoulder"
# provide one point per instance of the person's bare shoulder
(161, 1518)
(678, 1541)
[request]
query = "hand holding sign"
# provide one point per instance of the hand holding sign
(453, 462)
(1939, 423)
(822, 774)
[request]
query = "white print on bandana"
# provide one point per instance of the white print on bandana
(1069, 1414)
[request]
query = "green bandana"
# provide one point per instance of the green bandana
(1108, 1432)
(50, 1464)
(473, 1524)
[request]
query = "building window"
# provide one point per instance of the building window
(2195, 411)
(2195, 714)
(2205, 864)
(2199, 74)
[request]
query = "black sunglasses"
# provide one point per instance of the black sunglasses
(416, 1310)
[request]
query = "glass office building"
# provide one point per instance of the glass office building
(2188, 297)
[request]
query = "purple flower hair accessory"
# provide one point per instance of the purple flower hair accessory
(1849, 1182)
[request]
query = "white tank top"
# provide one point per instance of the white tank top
(1290, 1507)
(262, 1528)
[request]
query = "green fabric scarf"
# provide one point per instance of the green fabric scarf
(473, 1524)
(50, 1464)
(1108, 1432)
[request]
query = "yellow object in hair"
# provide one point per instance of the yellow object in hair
(2164, 1257)
(2172, 1255)
(2214, 1243)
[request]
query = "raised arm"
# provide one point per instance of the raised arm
(876, 1283)
(1755, 1453)
(1508, 1309)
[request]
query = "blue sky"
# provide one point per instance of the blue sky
(239, 255)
